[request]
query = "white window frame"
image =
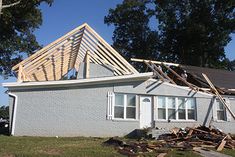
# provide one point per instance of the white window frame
(224, 111)
(176, 109)
(125, 107)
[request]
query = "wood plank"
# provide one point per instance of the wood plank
(155, 62)
(178, 76)
(87, 64)
(218, 95)
(55, 52)
(163, 74)
(114, 52)
(69, 34)
(109, 56)
(221, 145)
(155, 71)
(100, 55)
(105, 62)
(19, 79)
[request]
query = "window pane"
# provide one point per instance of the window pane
(161, 102)
(182, 114)
(171, 113)
(191, 114)
(119, 99)
(146, 100)
(220, 115)
(161, 113)
(118, 112)
(130, 112)
(130, 100)
(220, 106)
(191, 103)
(181, 102)
(171, 102)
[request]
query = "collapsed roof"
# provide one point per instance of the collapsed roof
(58, 58)
(192, 76)
(221, 78)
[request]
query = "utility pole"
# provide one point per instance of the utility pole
(7, 6)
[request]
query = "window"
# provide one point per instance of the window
(119, 106)
(181, 108)
(130, 108)
(191, 106)
(176, 108)
(125, 106)
(171, 108)
(221, 113)
(161, 108)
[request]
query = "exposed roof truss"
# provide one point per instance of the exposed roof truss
(58, 58)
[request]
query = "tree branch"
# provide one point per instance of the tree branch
(10, 5)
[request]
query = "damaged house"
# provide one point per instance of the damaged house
(80, 86)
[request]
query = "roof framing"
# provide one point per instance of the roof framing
(56, 59)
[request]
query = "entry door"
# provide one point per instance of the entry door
(145, 111)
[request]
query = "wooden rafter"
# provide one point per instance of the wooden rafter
(218, 95)
(55, 60)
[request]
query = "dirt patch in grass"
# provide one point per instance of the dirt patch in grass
(51, 151)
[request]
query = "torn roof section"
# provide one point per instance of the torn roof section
(191, 76)
(66, 53)
(221, 78)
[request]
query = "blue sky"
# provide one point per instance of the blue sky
(63, 16)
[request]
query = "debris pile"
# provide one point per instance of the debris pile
(182, 139)
(198, 137)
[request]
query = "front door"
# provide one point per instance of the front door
(145, 111)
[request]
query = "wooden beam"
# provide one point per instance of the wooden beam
(102, 58)
(178, 76)
(112, 50)
(162, 73)
(155, 62)
(53, 44)
(218, 95)
(19, 79)
(47, 62)
(104, 61)
(109, 56)
(44, 59)
(87, 61)
(155, 71)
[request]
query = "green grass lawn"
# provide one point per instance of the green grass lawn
(51, 146)
(67, 147)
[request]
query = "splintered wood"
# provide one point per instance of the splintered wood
(180, 138)
(218, 95)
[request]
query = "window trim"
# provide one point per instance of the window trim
(125, 108)
(224, 111)
(176, 109)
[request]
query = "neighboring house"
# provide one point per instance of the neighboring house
(107, 96)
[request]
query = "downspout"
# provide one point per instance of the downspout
(13, 115)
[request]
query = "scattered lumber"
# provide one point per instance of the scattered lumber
(181, 138)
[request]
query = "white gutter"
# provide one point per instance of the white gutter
(14, 107)
(81, 81)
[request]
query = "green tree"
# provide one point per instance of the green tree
(17, 24)
(195, 32)
(189, 32)
(132, 35)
